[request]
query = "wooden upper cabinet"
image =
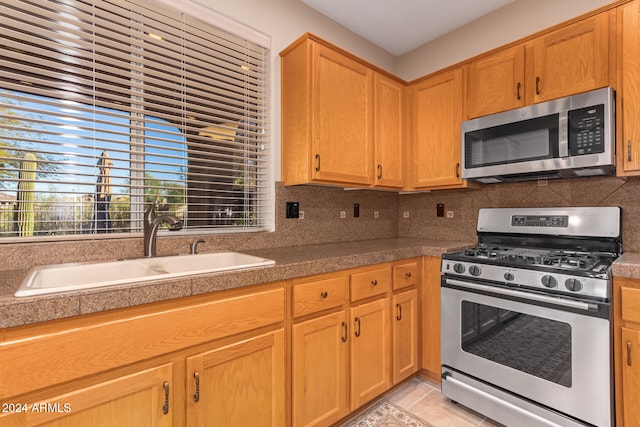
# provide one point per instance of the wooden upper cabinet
(496, 82)
(567, 61)
(437, 114)
(628, 117)
(572, 59)
(389, 134)
(327, 116)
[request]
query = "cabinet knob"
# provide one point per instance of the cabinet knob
(407, 275)
(324, 294)
(374, 282)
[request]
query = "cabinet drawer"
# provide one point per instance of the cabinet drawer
(370, 283)
(630, 304)
(318, 295)
(405, 275)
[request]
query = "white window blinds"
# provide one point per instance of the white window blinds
(109, 106)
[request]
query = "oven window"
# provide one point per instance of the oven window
(530, 344)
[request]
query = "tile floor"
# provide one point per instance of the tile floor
(422, 397)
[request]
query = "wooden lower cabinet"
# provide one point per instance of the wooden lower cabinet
(404, 319)
(320, 370)
(626, 327)
(142, 398)
(630, 351)
(240, 385)
(137, 366)
(370, 351)
(430, 317)
(353, 336)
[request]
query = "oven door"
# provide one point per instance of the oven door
(547, 351)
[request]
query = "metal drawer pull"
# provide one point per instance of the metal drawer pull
(518, 90)
(628, 353)
(196, 396)
(165, 407)
(629, 150)
(399, 310)
(317, 162)
(457, 170)
(357, 320)
(345, 331)
(379, 171)
(374, 282)
(537, 85)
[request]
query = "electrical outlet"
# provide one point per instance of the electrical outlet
(542, 182)
(376, 214)
(343, 214)
(405, 214)
(449, 214)
(301, 214)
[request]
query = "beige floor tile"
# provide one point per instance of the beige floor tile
(441, 412)
(410, 393)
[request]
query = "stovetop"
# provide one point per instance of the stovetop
(567, 251)
(567, 261)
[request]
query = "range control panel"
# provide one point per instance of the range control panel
(540, 221)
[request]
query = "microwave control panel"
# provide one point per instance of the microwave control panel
(586, 130)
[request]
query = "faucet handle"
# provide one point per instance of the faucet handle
(194, 245)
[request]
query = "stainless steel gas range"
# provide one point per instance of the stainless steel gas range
(526, 335)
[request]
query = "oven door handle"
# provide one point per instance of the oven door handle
(526, 295)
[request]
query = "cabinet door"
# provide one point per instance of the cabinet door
(572, 59)
(320, 352)
(630, 352)
(240, 385)
(389, 132)
(437, 114)
(629, 90)
(430, 316)
(405, 335)
(342, 114)
(370, 351)
(144, 398)
(496, 82)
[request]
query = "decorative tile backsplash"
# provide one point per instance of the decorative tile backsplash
(608, 191)
(322, 222)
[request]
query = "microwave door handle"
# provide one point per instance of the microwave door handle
(563, 134)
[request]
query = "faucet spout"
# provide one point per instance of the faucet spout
(150, 228)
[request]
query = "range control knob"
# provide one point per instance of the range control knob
(549, 281)
(508, 276)
(458, 268)
(474, 270)
(573, 285)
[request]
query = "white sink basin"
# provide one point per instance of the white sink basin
(72, 277)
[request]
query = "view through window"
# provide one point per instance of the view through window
(108, 107)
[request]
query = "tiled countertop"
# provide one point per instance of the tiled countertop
(294, 261)
(627, 265)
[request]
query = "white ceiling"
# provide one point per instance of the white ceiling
(399, 26)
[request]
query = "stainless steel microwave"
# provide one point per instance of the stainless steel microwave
(562, 138)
